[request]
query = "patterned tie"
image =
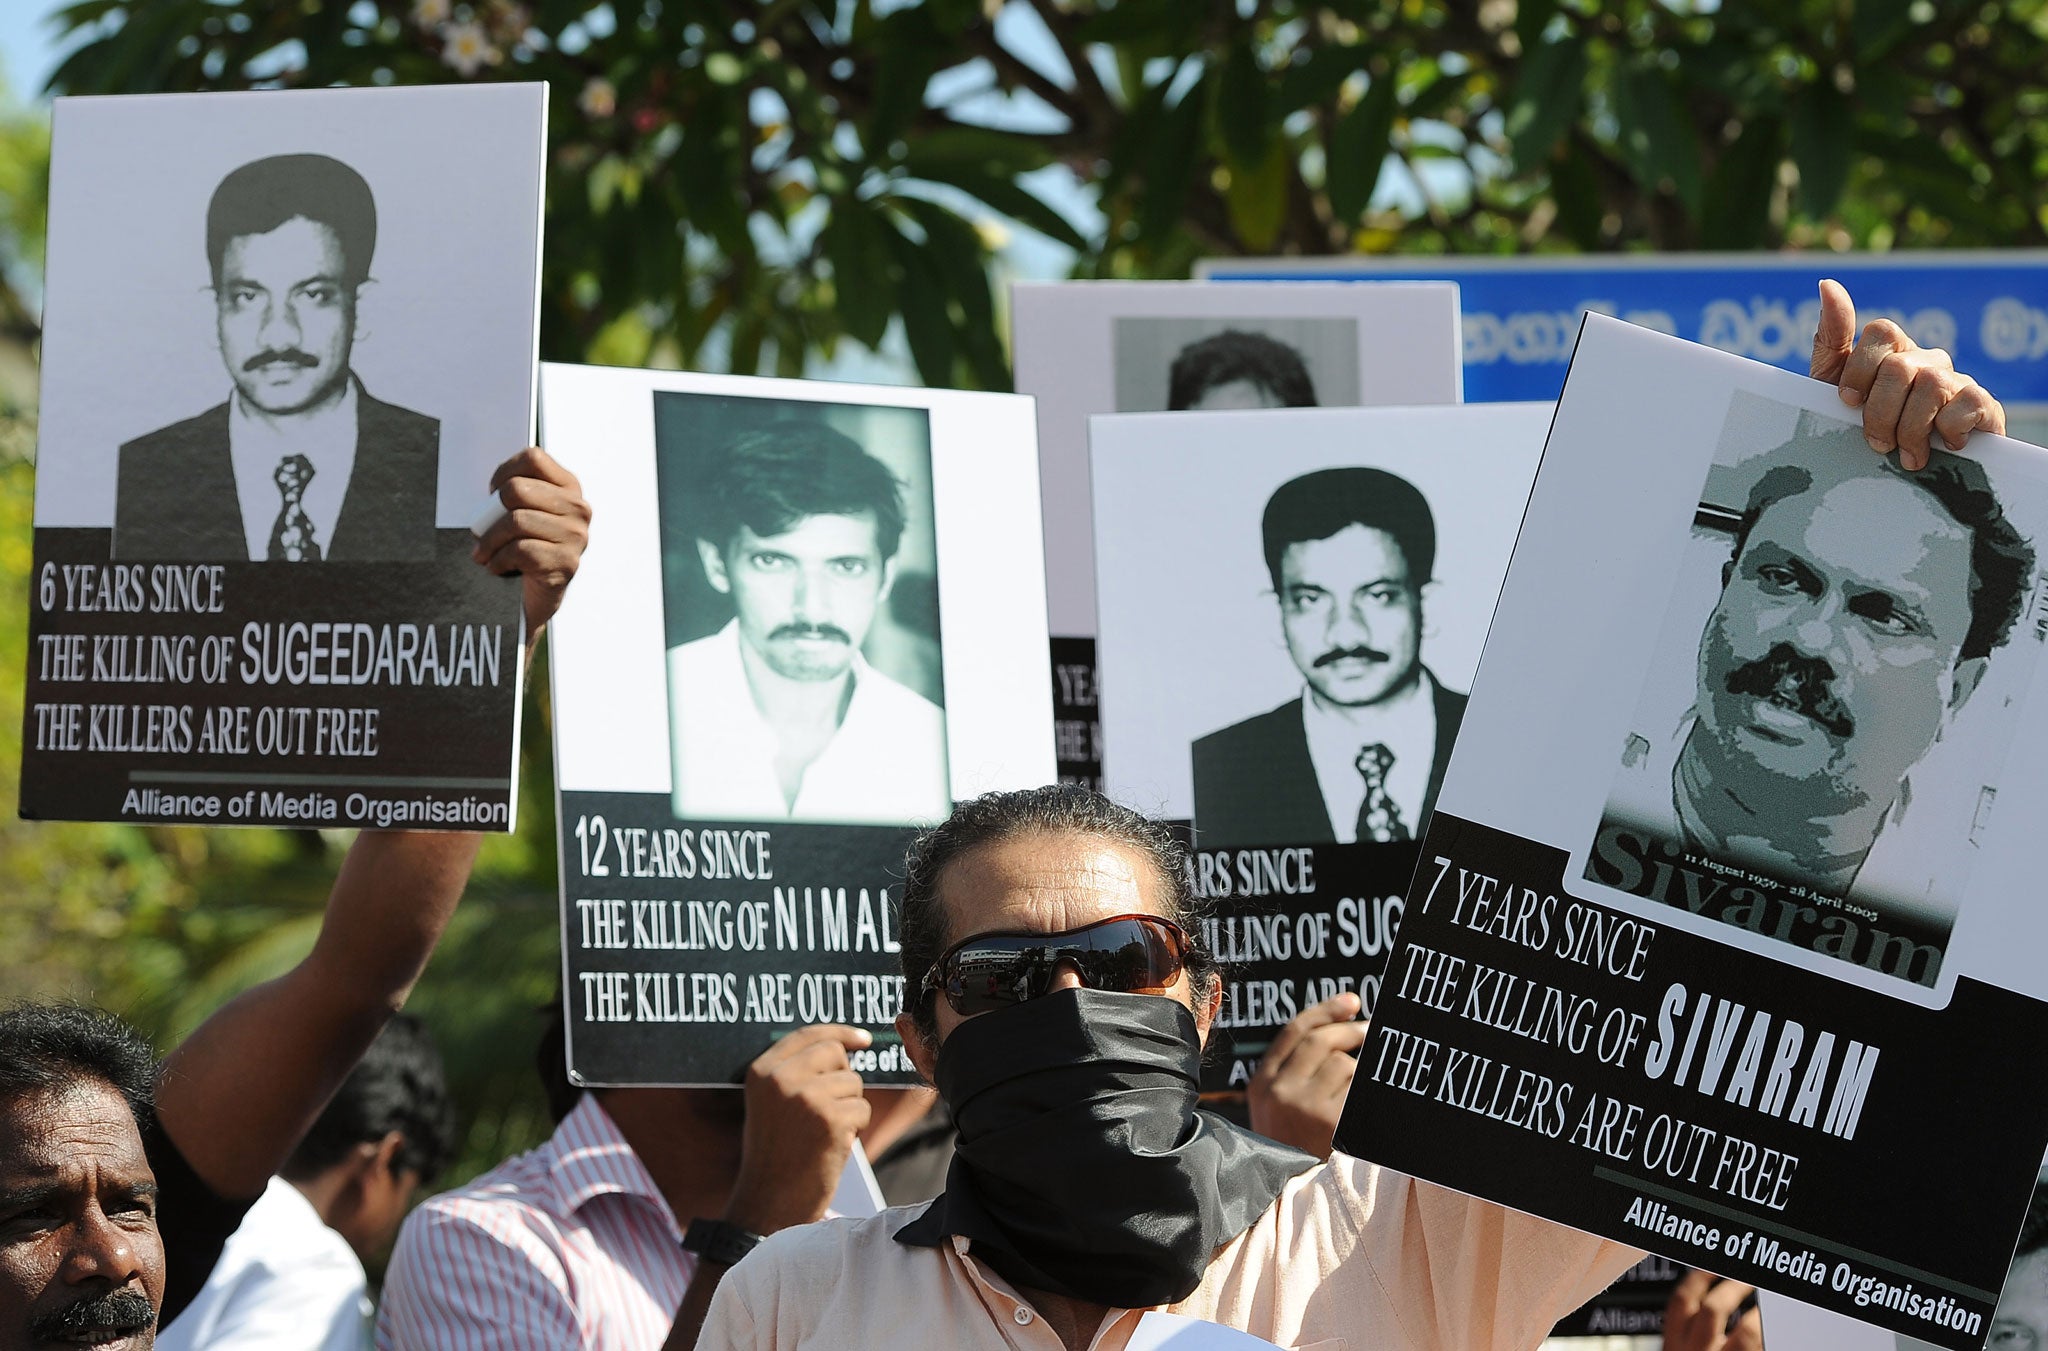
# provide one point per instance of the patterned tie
(291, 538)
(1379, 820)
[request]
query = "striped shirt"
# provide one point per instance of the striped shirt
(569, 1246)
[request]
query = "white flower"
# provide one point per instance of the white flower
(598, 99)
(466, 49)
(431, 14)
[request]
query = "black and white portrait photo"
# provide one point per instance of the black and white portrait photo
(800, 586)
(323, 342)
(1359, 753)
(1209, 365)
(300, 463)
(1797, 735)
(1094, 347)
(816, 619)
(1302, 678)
(285, 327)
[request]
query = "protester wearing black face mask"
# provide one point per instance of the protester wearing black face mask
(1060, 1006)
(1061, 1009)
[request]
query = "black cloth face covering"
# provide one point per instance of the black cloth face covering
(1083, 1166)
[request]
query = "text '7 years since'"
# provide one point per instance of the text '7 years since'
(1774, 1067)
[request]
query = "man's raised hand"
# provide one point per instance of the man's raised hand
(542, 534)
(1299, 1090)
(1699, 1314)
(1908, 393)
(804, 1108)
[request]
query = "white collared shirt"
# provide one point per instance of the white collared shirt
(256, 445)
(886, 765)
(1404, 723)
(284, 1282)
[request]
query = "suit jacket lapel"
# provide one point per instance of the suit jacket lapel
(1450, 712)
(210, 509)
(367, 479)
(1298, 792)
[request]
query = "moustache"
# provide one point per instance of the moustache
(828, 632)
(1337, 654)
(118, 1311)
(1799, 683)
(281, 356)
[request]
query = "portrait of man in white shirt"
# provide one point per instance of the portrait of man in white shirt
(780, 714)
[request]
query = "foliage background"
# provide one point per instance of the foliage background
(789, 186)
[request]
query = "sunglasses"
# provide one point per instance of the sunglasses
(1131, 954)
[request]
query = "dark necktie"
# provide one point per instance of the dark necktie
(1379, 820)
(291, 538)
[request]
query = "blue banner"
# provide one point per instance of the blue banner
(1990, 310)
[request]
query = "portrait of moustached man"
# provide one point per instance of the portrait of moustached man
(300, 463)
(778, 715)
(1238, 369)
(1359, 755)
(1835, 658)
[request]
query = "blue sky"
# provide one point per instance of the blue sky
(27, 53)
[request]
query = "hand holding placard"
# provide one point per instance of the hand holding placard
(1299, 1090)
(804, 1108)
(1907, 392)
(541, 534)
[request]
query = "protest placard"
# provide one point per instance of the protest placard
(1285, 595)
(814, 619)
(1520, 313)
(1724, 930)
(1084, 348)
(288, 338)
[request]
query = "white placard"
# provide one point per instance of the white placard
(1193, 637)
(609, 641)
(1085, 348)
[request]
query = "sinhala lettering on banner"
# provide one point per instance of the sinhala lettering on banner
(1762, 328)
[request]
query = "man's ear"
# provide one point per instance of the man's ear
(359, 327)
(922, 1053)
(713, 559)
(1969, 674)
(360, 1168)
(1207, 1009)
(888, 580)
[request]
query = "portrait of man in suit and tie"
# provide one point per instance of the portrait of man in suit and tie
(300, 463)
(1359, 754)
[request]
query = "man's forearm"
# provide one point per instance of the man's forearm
(238, 1094)
(682, 1335)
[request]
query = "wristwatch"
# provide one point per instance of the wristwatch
(720, 1242)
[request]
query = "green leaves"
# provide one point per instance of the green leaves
(863, 294)
(1358, 149)
(1657, 138)
(1242, 109)
(1822, 131)
(757, 182)
(1738, 198)
(1547, 98)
